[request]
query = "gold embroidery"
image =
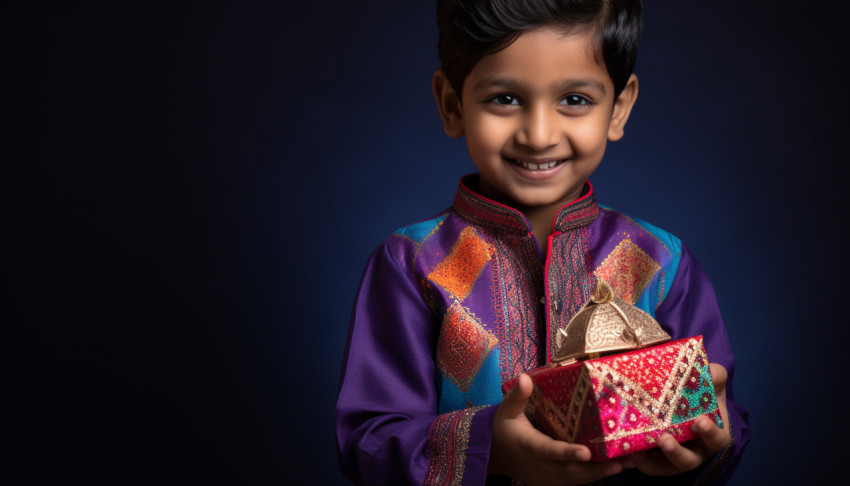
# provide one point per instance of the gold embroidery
(463, 346)
(448, 439)
(659, 408)
(628, 269)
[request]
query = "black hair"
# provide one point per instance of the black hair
(472, 29)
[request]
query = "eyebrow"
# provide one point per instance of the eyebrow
(563, 85)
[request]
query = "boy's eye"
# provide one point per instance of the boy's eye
(505, 99)
(575, 100)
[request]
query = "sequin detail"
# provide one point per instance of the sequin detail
(448, 439)
(463, 346)
(621, 404)
(628, 269)
(648, 397)
(458, 271)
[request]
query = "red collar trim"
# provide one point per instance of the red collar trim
(477, 209)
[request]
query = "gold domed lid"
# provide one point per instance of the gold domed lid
(607, 324)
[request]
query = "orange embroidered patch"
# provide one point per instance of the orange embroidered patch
(458, 271)
(628, 269)
(463, 346)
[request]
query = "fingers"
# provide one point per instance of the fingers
(681, 457)
(689, 456)
(673, 458)
(589, 472)
(562, 452)
(714, 437)
(669, 458)
(652, 462)
(515, 401)
(547, 448)
(564, 473)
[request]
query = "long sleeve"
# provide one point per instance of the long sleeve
(690, 309)
(388, 430)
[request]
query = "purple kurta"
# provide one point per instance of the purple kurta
(450, 307)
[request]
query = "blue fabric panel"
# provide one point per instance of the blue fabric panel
(418, 232)
(486, 389)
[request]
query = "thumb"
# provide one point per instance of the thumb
(517, 398)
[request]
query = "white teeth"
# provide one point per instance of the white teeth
(531, 166)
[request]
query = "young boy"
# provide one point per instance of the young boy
(451, 307)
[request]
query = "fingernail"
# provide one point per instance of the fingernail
(612, 469)
(666, 445)
(583, 455)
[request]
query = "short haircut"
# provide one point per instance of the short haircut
(472, 29)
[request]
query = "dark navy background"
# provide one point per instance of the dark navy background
(193, 190)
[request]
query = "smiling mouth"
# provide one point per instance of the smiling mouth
(538, 164)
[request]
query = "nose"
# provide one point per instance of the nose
(540, 129)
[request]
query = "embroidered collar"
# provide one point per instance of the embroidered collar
(477, 209)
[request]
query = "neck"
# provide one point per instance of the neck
(541, 224)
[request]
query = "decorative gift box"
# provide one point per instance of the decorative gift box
(617, 404)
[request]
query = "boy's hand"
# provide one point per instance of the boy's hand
(673, 458)
(530, 456)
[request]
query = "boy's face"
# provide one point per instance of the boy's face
(537, 116)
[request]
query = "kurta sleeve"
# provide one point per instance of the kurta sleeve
(691, 309)
(388, 430)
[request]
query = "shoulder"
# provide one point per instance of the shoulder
(413, 242)
(441, 239)
(614, 219)
(639, 257)
(417, 233)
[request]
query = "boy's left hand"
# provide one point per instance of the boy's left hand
(670, 457)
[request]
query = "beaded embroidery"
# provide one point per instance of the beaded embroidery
(463, 346)
(516, 288)
(628, 269)
(621, 404)
(448, 439)
(675, 388)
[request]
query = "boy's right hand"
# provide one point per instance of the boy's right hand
(524, 453)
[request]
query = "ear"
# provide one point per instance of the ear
(622, 107)
(448, 102)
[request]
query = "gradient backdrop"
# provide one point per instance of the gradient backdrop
(193, 190)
